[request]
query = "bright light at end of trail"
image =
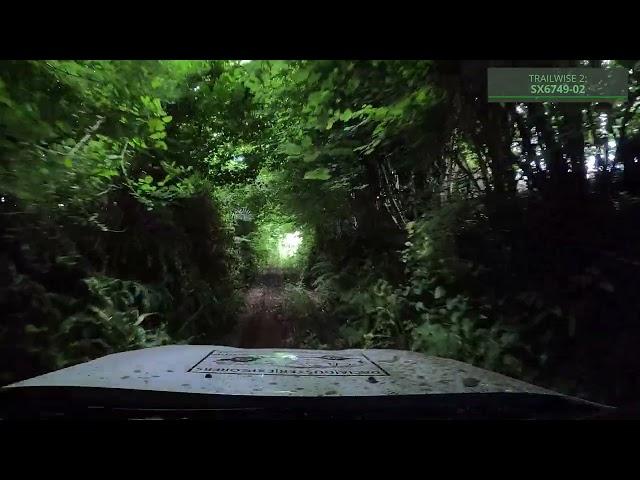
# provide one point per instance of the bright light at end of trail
(289, 244)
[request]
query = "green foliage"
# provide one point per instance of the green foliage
(122, 183)
(318, 174)
(440, 288)
(115, 319)
(298, 304)
(95, 183)
(313, 325)
(457, 332)
(430, 310)
(367, 307)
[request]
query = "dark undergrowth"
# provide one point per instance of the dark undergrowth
(545, 294)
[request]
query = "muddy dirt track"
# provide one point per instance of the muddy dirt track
(262, 324)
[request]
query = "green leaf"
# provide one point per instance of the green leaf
(292, 149)
(421, 96)
(142, 317)
(317, 174)
(310, 157)
(306, 142)
(278, 65)
(68, 162)
(508, 338)
(108, 173)
(315, 98)
(147, 179)
(155, 124)
(451, 303)
(167, 118)
(157, 105)
(340, 151)
(353, 84)
(158, 135)
(301, 75)
(346, 115)
(439, 292)
(30, 328)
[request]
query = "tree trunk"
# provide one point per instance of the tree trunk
(572, 131)
(498, 136)
(555, 164)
